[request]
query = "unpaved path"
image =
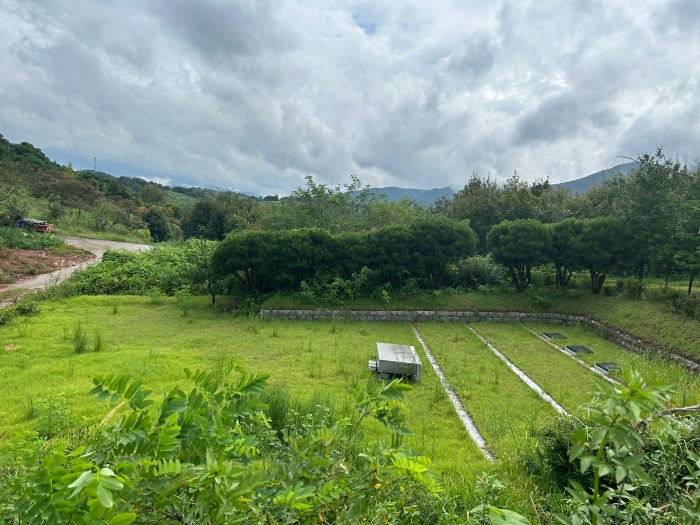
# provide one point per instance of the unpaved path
(96, 246)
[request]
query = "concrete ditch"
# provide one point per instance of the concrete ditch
(522, 375)
(464, 416)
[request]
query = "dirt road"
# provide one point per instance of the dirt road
(97, 247)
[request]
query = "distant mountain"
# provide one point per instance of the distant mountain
(422, 197)
(596, 179)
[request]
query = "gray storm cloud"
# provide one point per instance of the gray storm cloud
(257, 94)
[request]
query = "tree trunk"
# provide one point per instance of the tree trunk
(597, 280)
(690, 283)
(568, 277)
(668, 271)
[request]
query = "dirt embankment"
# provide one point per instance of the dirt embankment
(17, 265)
(53, 267)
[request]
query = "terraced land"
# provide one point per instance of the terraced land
(504, 409)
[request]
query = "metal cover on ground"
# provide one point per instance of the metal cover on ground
(401, 360)
(554, 335)
(578, 349)
(607, 366)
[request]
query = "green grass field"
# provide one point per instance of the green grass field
(504, 409)
(155, 342)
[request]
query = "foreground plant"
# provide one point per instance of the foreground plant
(197, 459)
(613, 448)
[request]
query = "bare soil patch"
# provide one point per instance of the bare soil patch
(16, 265)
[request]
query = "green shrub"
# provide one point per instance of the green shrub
(28, 307)
(634, 288)
(477, 271)
(6, 315)
(198, 459)
(28, 240)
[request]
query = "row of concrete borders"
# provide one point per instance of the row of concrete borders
(464, 316)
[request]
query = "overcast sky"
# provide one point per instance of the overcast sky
(254, 95)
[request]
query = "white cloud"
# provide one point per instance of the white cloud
(256, 94)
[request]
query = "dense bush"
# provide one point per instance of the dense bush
(212, 456)
(282, 260)
(477, 271)
(165, 269)
(28, 240)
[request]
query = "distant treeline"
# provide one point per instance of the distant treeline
(657, 205)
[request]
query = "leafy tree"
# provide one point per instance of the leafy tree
(317, 205)
(603, 245)
(519, 245)
(250, 256)
(213, 217)
(563, 238)
(152, 194)
(199, 254)
(477, 202)
(516, 201)
(437, 241)
(157, 223)
(390, 251)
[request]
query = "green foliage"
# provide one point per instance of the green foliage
(198, 458)
(612, 448)
(562, 249)
(157, 223)
(80, 339)
(436, 241)
(28, 306)
(213, 217)
(603, 246)
(634, 288)
(167, 269)
(519, 245)
(479, 270)
(28, 240)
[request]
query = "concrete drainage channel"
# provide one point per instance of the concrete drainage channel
(469, 425)
(522, 375)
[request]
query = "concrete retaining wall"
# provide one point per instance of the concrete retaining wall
(409, 316)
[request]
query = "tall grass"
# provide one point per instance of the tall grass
(80, 339)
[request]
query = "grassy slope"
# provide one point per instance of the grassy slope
(652, 321)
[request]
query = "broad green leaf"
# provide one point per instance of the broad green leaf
(104, 495)
(123, 519)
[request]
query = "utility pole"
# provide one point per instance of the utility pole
(94, 166)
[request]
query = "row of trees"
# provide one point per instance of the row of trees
(599, 246)
(659, 202)
(276, 260)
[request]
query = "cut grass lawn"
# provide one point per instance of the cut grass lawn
(154, 342)
(569, 383)
(505, 410)
(652, 368)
